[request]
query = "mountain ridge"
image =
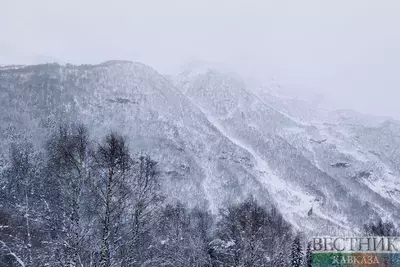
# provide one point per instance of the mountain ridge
(216, 139)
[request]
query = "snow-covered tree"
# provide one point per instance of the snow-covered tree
(112, 165)
(68, 168)
(308, 256)
(296, 255)
(21, 202)
(381, 228)
(251, 232)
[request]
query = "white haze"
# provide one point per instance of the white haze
(347, 50)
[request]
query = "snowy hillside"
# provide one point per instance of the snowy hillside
(217, 139)
(309, 156)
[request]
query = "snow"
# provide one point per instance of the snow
(210, 109)
(11, 67)
(288, 198)
(222, 98)
(386, 185)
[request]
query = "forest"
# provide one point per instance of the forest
(78, 202)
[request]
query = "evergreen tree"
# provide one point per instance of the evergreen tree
(280, 260)
(381, 228)
(308, 258)
(296, 252)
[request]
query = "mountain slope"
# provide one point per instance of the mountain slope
(298, 168)
(216, 140)
(200, 166)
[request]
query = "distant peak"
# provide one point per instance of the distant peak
(201, 67)
(198, 67)
(201, 64)
(114, 62)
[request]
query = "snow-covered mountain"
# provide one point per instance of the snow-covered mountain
(219, 139)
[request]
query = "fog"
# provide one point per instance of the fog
(347, 50)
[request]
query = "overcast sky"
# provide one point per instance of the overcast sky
(348, 50)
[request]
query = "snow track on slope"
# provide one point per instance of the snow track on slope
(289, 200)
(292, 202)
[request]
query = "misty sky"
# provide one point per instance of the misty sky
(348, 50)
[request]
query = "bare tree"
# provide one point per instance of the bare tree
(20, 204)
(112, 168)
(69, 161)
(182, 237)
(8, 251)
(249, 234)
(144, 202)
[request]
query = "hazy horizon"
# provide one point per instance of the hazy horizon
(344, 50)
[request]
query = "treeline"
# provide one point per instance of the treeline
(81, 203)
